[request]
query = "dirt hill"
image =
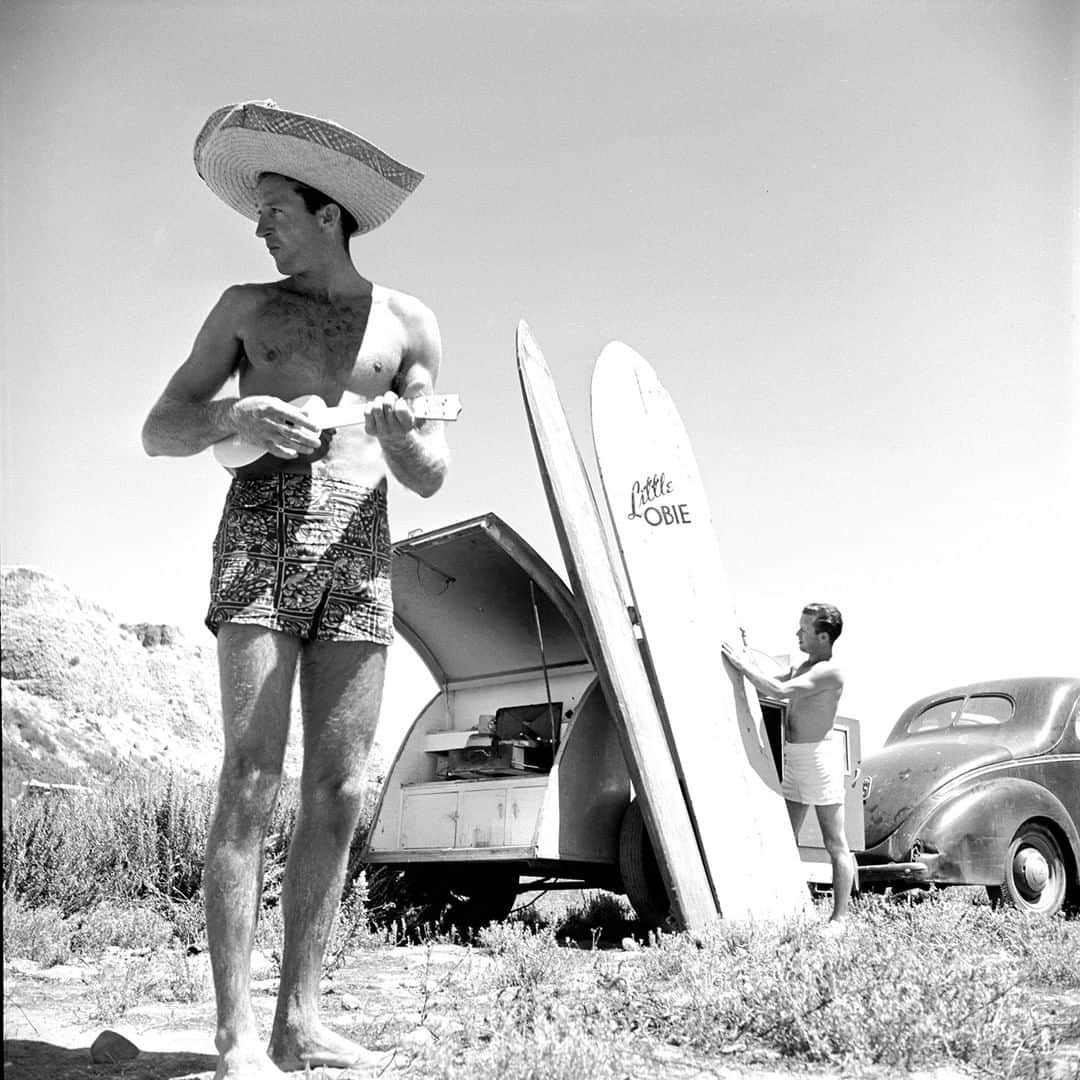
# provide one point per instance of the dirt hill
(85, 695)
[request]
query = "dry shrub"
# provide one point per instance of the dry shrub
(906, 988)
(40, 934)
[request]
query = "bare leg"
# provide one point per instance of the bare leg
(831, 820)
(797, 815)
(341, 687)
(257, 671)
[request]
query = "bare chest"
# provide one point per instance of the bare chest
(297, 345)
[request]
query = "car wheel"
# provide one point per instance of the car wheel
(1035, 878)
(639, 870)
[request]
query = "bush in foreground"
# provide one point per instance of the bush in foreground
(908, 987)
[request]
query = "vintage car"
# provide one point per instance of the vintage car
(980, 785)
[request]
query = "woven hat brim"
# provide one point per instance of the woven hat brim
(240, 142)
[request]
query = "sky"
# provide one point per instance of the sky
(844, 233)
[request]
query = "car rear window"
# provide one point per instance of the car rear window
(982, 709)
(941, 714)
(978, 710)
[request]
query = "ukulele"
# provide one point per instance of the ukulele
(234, 452)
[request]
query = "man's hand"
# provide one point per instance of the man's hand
(390, 419)
(734, 655)
(278, 427)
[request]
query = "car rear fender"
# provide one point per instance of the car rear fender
(973, 830)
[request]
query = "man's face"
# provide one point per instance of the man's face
(292, 234)
(806, 635)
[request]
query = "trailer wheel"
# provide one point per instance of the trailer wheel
(419, 898)
(482, 895)
(1035, 875)
(640, 873)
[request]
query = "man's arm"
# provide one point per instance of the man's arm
(186, 419)
(415, 450)
(822, 676)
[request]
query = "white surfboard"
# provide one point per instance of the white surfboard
(669, 547)
(612, 642)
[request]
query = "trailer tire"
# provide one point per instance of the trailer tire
(638, 868)
(423, 897)
(483, 895)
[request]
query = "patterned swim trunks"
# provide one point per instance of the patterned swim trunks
(307, 555)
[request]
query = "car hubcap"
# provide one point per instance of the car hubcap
(1031, 872)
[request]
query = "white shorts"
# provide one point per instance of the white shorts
(814, 772)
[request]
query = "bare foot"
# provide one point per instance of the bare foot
(246, 1064)
(319, 1046)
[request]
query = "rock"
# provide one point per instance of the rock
(110, 1048)
(418, 1037)
(630, 945)
(85, 696)
(351, 1002)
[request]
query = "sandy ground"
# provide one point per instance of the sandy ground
(386, 999)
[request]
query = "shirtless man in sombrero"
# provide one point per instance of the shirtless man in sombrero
(813, 766)
(301, 571)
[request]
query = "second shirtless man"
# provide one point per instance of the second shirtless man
(301, 572)
(813, 765)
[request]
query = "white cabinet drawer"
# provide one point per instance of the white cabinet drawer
(523, 815)
(482, 818)
(429, 819)
(471, 815)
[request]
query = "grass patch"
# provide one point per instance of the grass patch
(136, 839)
(163, 976)
(41, 934)
(48, 936)
(909, 987)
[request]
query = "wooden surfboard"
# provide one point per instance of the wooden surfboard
(612, 642)
(665, 533)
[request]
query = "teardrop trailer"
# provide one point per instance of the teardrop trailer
(514, 771)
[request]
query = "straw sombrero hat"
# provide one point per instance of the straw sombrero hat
(239, 142)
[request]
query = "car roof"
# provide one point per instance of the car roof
(1044, 701)
(1025, 686)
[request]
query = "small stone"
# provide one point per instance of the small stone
(351, 1002)
(109, 1048)
(418, 1037)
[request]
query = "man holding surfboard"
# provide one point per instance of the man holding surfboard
(301, 576)
(813, 765)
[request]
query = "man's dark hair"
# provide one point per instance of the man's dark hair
(827, 620)
(315, 200)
